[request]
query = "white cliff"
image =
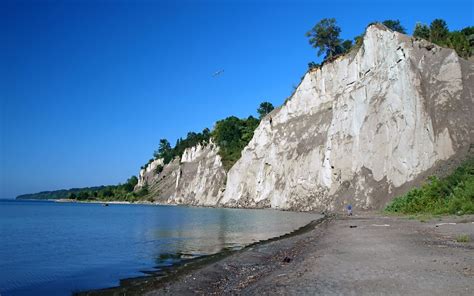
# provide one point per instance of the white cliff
(359, 128)
(147, 174)
(196, 178)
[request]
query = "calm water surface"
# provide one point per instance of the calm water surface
(50, 248)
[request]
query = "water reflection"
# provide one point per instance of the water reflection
(209, 231)
(56, 248)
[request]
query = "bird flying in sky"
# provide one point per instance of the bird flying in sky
(218, 73)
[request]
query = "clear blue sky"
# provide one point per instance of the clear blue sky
(89, 87)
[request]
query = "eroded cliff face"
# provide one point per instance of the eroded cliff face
(197, 178)
(359, 129)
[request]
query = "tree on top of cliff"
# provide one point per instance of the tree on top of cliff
(164, 151)
(394, 25)
(264, 109)
(421, 31)
(438, 31)
(325, 37)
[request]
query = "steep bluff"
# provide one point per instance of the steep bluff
(196, 178)
(360, 129)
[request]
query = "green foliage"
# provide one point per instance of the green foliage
(130, 184)
(468, 31)
(451, 195)
(346, 45)
(192, 139)
(463, 238)
(264, 109)
(313, 65)
(158, 169)
(325, 37)
(421, 31)
(143, 191)
(358, 40)
(394, 25)
(167, 153)
(164, 151)
(459, 42)
(232, 135)
(438, 31)
(122, 192)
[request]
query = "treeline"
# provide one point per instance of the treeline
(231, 135)
(325, 36)
(121, 192)
(437, 32)
(168, 153)
(56, 194)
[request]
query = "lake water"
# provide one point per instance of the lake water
(50, 248)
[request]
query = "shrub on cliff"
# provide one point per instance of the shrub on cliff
(450, 195)
(232, 135)
(394, 25)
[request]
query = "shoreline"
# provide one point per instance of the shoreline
(369, 253)
(138, 285)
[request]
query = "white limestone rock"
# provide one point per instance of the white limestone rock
(359, 128)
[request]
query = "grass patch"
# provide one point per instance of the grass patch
(463, 238)
(452, 195)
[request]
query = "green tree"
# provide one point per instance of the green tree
(248, 129)
(130, 184)
(394, 25)
(358, 40)
(346, 45)
(164, 151)
(264, 109)
(232, 135)
(469, 33)
(324, 36)
(438, 31)
(421, 31)
(459, 42)
(143, 191)
(313, 65)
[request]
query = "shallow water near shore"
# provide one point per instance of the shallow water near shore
(61, 248)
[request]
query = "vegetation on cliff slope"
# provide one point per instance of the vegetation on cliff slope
(167, 153)
(231, 134)
(453, 194)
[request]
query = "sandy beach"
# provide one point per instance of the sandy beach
(367, 254)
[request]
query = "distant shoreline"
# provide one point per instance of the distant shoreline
(67, 200)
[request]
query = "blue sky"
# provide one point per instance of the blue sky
(89, 87)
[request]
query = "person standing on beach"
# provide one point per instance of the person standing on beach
(349, 210)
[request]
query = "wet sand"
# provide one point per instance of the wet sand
(367, 254)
